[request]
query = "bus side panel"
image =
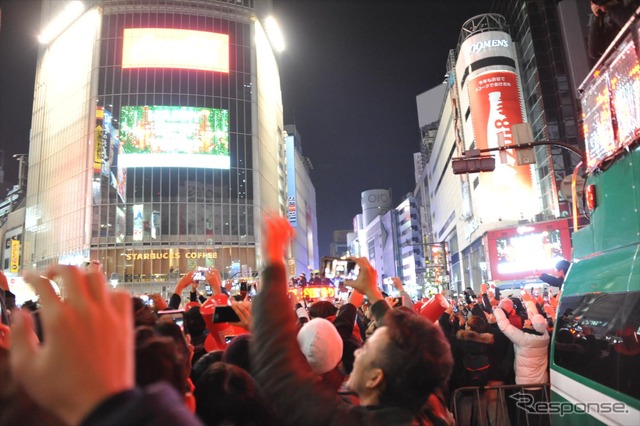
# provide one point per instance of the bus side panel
(615, 222)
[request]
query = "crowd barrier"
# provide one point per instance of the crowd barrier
(505, 405)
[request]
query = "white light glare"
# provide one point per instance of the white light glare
(62, 21)
(275, 35)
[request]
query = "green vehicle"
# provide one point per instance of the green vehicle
(595, 352)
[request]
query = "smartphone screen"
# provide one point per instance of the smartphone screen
(225, 314)
(339, 268)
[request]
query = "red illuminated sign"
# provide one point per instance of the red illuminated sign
(174, 48)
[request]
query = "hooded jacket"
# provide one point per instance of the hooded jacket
(531, 350)
(476, 348)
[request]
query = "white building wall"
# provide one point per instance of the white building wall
(58, 215)
(268, 143)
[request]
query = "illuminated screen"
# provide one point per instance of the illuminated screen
(315, 292)
(611, 106)
(522, 253)
(516, 253)
(168, 136)
(173, 48)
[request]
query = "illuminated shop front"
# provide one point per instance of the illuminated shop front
(176, 100)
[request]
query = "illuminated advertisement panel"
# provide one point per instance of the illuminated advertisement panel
(611, 106)
(121, 225)
(292, 206)
(516, 253)
(495, 107)
(490, 96)
(169, 136)
(99, 148)
(15, 256)
(175, 48)
(138, 222)
(314, 292)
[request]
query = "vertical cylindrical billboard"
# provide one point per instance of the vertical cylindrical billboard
(491, 102)
(375, 202)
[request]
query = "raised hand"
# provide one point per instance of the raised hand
(184, 282)
(159, 303)
(87, 354)
(367, 280)
(215, 280)
(243, 309)
(277, 232)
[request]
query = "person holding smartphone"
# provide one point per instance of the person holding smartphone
(393, 378)
(88, 353)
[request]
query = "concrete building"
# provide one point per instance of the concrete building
(157, 140)
(504, 225)
(301, 206)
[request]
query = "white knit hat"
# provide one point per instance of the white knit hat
(539, 323)
(321, 345)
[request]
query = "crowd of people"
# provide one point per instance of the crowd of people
(100, 356)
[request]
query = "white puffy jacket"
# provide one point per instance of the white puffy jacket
(531, 350)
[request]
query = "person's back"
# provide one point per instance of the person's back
(475, 342)
(531, 347)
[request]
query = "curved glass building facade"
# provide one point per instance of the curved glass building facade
(157, 140)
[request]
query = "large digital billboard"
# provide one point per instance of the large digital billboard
(175, 48)
(170, 136)
(516, 253)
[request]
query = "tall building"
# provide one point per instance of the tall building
(301, 206)
(504, 225)
(550, 39)
(157, 138)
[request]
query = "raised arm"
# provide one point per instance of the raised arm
(281, 369)
(86, 363)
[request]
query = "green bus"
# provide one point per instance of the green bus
(595, 349)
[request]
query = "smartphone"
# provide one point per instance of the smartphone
(333, 267)
(147, 300)
(177, 316)
(545, 294)
(225, 314)
(199, 275)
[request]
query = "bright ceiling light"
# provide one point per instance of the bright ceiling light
(61, 22)
(275, 35)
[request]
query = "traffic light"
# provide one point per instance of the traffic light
(522, 135)
(472, 165)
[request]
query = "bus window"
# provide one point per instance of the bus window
(597, 338)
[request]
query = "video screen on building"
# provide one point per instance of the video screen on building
(524, 251)
(175, 48)
(170, 136)
(527, 253)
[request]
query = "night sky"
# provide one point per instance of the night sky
(350, 75)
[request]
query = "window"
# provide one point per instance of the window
(597, 337)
